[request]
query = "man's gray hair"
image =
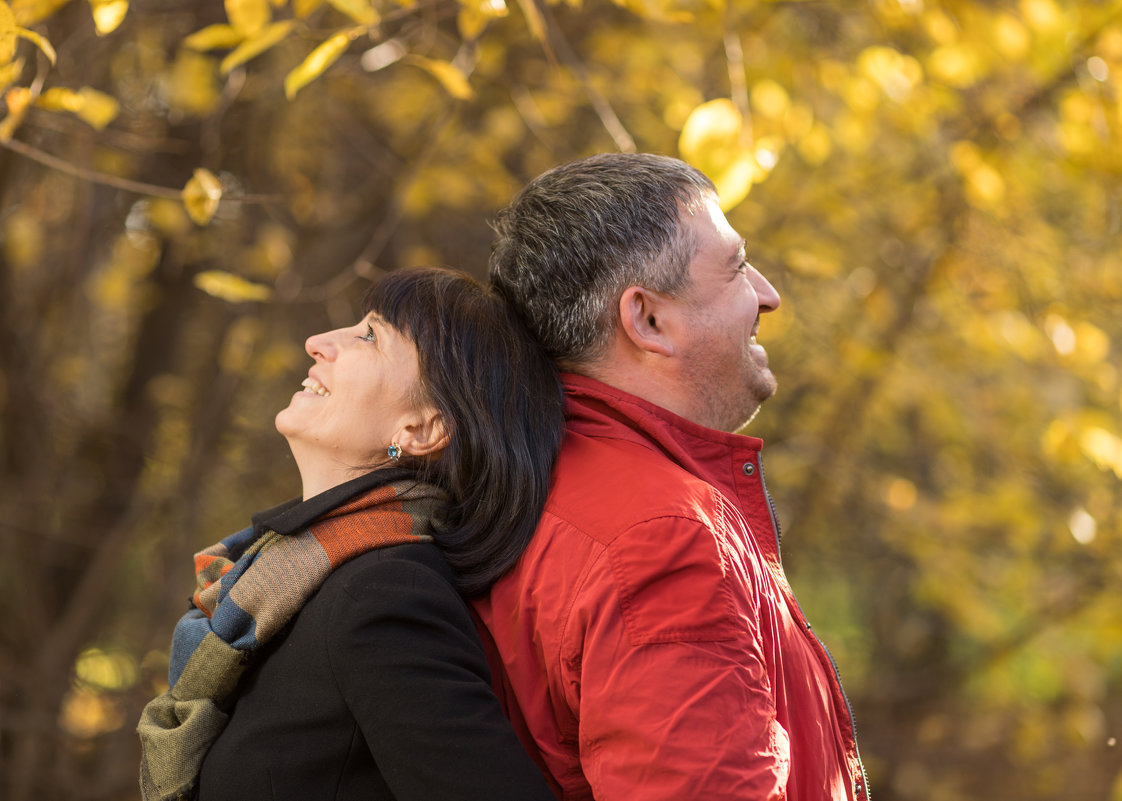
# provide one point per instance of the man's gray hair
(578, 235)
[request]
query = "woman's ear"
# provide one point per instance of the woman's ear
(643, 316)
(425, 434)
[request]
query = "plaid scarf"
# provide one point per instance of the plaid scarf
(249, 586)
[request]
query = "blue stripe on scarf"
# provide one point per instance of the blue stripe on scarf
(235, 625)
(189, 632)
(236, 543)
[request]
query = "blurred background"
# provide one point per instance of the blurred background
(189, 189)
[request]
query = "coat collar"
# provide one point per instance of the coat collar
(596, 409)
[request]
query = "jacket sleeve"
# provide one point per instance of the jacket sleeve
(668, 672)
(407, 658)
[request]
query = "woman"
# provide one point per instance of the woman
(327, 653)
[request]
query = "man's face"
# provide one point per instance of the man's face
(727, 368)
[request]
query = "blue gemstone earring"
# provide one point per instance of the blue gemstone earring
(394, 451)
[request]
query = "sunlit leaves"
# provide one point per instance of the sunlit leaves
(896, 74)
(1042, 15)
(985, 187)
(94, 107)
(230, 287)
(201, 196)
(714, 140)
(318, 61)
(770, 99)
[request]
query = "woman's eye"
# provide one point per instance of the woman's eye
(369, 335)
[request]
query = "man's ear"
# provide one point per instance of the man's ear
(424, 433)
(643, 316)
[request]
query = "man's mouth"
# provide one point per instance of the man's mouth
(315, 387)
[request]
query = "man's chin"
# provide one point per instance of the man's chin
(763, 392)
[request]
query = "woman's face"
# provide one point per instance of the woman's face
(356, 401)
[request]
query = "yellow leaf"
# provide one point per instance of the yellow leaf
(251, 48)
(302, 8)
(18, 99)
(450, 76)
(28, 12)
(9, 73)
(40, 42)
(8, 30)
(248, 17)
(230, 287)
(108, 14)
(168, 217)
(475, 14)
(193, 83)
(201, 196)
(318, 61)
(94, 107)
(98, 109)
(359, 10)
(213, 37)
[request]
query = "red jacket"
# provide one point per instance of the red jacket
(651, 645)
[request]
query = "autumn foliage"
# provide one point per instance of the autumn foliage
(187, 190)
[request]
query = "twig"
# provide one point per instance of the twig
(738, 86)
(600, 104)
(128, 185)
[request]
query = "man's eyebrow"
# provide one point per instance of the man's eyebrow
(740, 255)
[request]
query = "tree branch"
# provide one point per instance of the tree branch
(105, 179)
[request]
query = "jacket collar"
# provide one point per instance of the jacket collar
(593, 408)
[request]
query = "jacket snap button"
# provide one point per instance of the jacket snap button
(749, 469)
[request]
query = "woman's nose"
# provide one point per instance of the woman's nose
(322, 347)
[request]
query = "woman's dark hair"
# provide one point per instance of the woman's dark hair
(500, 397)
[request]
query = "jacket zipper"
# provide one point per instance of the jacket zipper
(830, 656)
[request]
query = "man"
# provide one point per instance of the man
(648, 643)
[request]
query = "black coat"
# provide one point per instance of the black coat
(377, 689)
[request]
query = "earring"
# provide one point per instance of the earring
(394, 452)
